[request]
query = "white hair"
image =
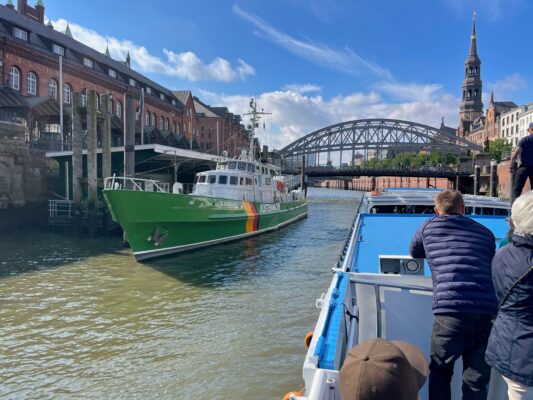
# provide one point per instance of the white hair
(522, 213)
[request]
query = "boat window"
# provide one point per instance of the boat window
(233, 180)
(223, 179)
(267, 181)
(251, 168)
(263, 170)
(242, 166)
(241, 181)
(212, 179)
(255, 181)
(257, 168)
(249, 181)
(201, 179)
(232, 165)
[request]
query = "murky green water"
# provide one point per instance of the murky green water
(81, 319)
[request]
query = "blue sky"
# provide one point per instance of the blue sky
(313, 63)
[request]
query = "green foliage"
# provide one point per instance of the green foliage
(414, 160)
(497, 149)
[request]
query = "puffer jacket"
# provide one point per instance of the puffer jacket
(510, 348)
(459, 252)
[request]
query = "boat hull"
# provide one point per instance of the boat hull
(158, 224)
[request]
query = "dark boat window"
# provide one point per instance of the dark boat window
(232, 165)
(223, 179)
(251, 168)
(212, 179)
(242, 181)
(267, 181)
(249, 181)
(242, 166)
(233, 180)
(201, 179)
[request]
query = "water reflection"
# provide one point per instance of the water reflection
(82, 319)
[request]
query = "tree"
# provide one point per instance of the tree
(498, 148)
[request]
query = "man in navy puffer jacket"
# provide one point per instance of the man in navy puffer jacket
(459, 252)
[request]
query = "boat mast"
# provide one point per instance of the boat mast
(255, 116)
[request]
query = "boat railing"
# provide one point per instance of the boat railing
(394, 307)
(135, 184)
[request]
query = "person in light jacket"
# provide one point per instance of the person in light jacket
(510, 347)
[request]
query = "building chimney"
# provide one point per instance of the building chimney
(39, 11)
(21, 6)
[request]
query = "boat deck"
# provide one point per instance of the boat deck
(390, 234)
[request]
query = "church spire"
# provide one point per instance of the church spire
(107, 53)
(492, 97)
(473, 44)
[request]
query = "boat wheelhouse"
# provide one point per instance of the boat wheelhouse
(378, 290)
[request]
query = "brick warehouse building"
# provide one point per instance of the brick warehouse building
(29, 65)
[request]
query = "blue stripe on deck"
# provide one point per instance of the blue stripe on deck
(390, 234)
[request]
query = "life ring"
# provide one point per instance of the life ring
(308, 338)
(293, 394)
(280, 186)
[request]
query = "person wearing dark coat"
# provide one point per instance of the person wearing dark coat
(510, 347)
(459, 252)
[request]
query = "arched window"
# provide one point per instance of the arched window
(152, 122)
(32, 84)
(137, 114)
(14, 78)
(52, 88)
(464, 94)
(167, 123)
(147, 119)
(111, 105)
(469, 94)
(118, 109)
(67, 93)
(475, 93)
(161, 123)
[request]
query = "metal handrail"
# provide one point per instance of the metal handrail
(136, 184)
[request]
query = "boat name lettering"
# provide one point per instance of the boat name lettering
(228, 204)
(269, 208)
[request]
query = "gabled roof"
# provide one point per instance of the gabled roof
(504, 106)
(41, 37)
(201, 108)
(182, 95)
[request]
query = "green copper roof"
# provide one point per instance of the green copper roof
(50, 23)
(39, 3)
(68, 32)
(9, 3)
(107, 53)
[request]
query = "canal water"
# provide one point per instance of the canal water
(81, 319)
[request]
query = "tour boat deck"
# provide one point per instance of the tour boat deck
(391, 234)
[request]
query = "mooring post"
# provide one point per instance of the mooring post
(106, 135)
(493, 179)
(477, 178)
(77, 156)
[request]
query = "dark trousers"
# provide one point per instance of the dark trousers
(520, 178)
(459, 335)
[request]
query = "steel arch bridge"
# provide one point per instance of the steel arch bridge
(379, 135)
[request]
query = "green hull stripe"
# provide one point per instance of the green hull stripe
(143, 255)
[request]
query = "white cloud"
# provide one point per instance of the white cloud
(185, 65)
(346, 60)
(297, 114)
(303, 88)
(511, 83)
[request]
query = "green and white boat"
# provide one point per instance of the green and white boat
(240, 198)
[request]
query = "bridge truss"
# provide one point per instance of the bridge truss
(382, 136)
